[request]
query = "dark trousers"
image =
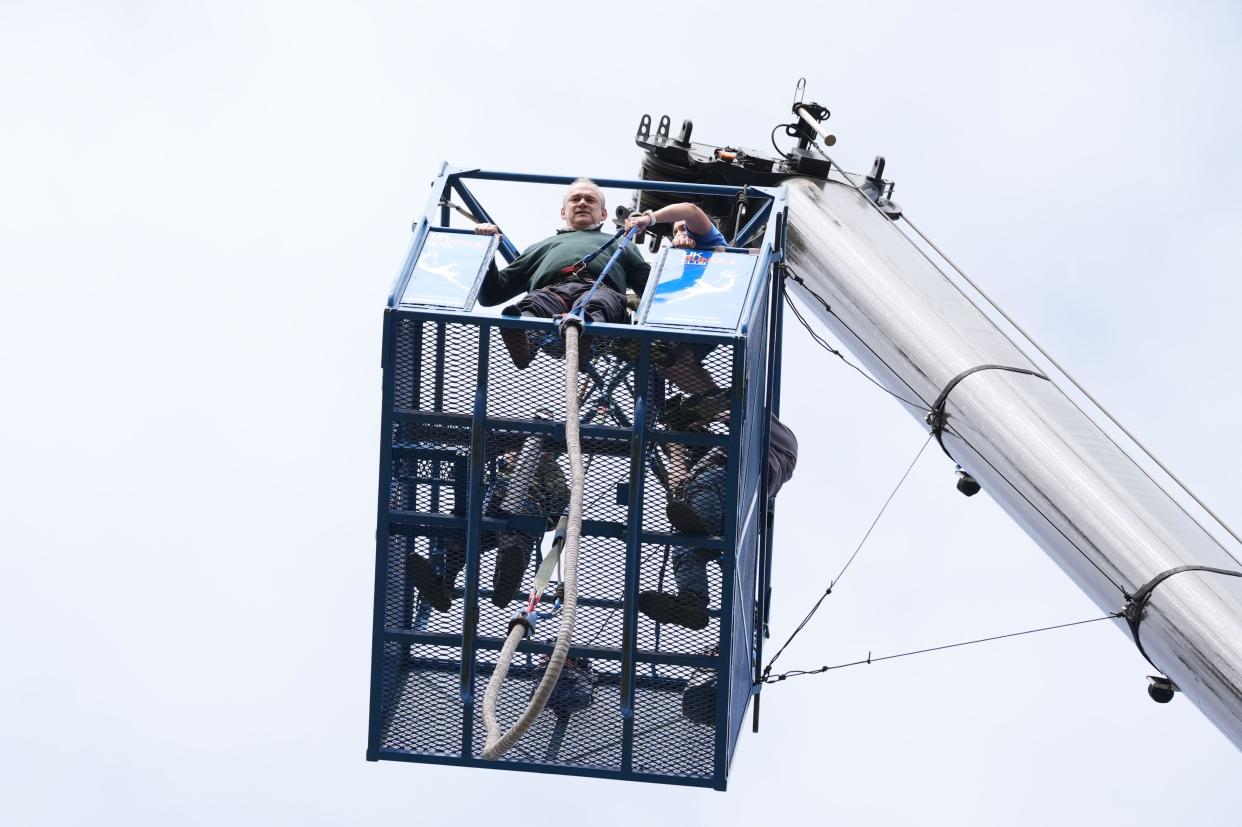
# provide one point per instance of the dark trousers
(607, 305)
(706, 495)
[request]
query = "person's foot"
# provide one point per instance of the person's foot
(574, 689)
(431, 586)
(698, 409)
(511, 560)
(688, 610)
(663, 354)
(683, 518)
(698, 699)
(517, 342)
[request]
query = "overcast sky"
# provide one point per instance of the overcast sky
(202, 207)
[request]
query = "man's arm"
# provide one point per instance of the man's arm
(501, 285)
(637, 270)
(692, 227)
(696, 220)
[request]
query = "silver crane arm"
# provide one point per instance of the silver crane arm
(1108, 524)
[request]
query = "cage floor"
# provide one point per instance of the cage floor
(425, 718)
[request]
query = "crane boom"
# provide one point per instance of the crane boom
(1108, 524)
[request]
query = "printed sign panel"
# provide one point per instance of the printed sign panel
(701, 288)
(448, 269)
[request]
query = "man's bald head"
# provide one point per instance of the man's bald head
(583, 206)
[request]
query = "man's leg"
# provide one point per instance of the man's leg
(435, 588)
(606, 305)
(698, 699)
(688, 607)
(512, 556)
(541, 304)
(684, 367)
(700, 502)
(697, 506)
(547, 496)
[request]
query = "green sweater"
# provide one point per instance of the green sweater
(541, 264)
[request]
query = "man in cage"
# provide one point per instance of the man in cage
(692, 230)
(546, 496)
(696, 480)
(696, 506)
(551, 275)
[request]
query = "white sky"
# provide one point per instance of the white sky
(201, 210)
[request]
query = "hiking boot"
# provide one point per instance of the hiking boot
(517, 342)
(431, 586)
(511, 560)
(574, 689)
(698, 699)
(688, 610)
(681, 412)
(683, 518)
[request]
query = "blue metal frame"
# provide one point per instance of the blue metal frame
(744, 599)
(644, 307)
(476, 278)
(450, 180)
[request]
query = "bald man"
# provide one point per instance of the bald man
(540, 271)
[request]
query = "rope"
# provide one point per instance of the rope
(794, 673)
(444, 202)
(834, 580)
(497, 744)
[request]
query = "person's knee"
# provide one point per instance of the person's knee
(538, 304)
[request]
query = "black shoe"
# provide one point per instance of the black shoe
(511, 560)
(698, 699)
(517, 342)
(695, 411)
(683, 518)
(574, 689)
(688, 610)
(430, 585)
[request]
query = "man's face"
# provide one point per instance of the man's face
(583, 207)
(681, 237)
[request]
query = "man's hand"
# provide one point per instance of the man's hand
(641, 220)
(681, 238)
(486, 229)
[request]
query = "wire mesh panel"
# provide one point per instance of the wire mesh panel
(582, 729)
(434, 366)
(674, 721)
(420, 690)
(474, 479)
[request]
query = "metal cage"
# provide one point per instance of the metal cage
(666, 702)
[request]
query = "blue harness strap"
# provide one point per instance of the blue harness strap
(574, 316)
(581, 263)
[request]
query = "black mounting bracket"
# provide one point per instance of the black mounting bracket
(881, 191)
